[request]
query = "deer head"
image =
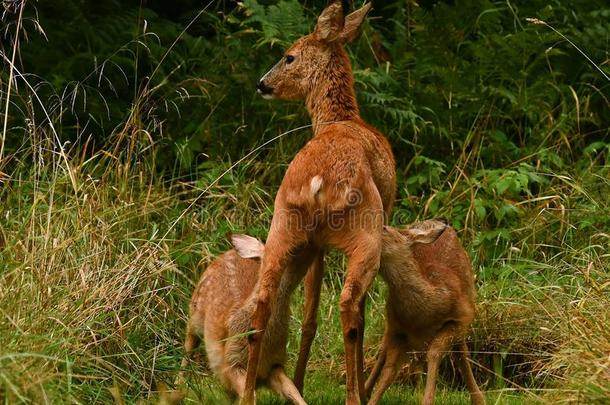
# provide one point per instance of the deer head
(312, 56)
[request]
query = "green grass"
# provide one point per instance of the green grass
(323, 388)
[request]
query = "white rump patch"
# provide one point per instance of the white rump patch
(315, 185)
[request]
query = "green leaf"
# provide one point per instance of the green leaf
(503, 184)
(479, 208)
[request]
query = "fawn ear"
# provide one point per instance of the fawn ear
(330, 23)
(247, 246)
(426, 231)
(353, 23)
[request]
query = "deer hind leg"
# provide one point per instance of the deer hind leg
(360, 352)
(476, 396)
(277, 259)
(313, 285)
(280, 383)
(435, 353)
(363, 263)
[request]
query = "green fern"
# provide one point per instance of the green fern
(279, 23)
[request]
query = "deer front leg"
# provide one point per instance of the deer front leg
(363, 264)
(313, 285)
(285, 235)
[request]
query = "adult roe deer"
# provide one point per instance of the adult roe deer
(221, 311)
(430, 304)
(336, 192)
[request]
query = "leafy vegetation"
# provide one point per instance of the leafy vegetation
(133, 142)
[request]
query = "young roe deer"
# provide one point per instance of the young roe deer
(221, 312)
(430, 304)
(336, 192)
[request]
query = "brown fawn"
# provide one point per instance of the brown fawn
(430, 305)
(336, 192)
(221, 311)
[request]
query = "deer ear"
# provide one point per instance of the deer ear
(425, 232)
(330, 23)
(247, 246)
(353, 23)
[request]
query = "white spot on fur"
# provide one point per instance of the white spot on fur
(315, 185)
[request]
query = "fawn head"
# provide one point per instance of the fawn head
(424, 232)
(397, 242)
(294, 76)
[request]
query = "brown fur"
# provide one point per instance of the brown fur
(352, 168)
(430, 306)
(221, 311)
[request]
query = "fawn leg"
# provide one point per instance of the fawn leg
(191, 342)
(379, 363)
(393, 359)
(313, 285)
(236, 378)
(375, 372)
(476, 396)
(280, 383)
(435, 353)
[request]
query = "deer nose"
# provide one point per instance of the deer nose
(263, 89)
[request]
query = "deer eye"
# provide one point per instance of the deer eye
(289, 59)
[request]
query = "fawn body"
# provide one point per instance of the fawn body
(221, 311)
(430, 304)
(336, 192)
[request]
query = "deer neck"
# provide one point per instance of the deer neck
(333, 98)
(400, 270)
